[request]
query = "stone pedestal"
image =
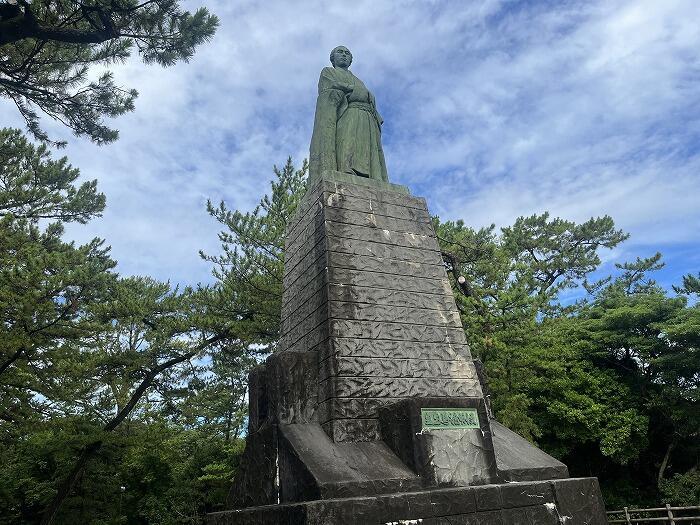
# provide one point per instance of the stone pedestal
(365, 289)
(345, 419)
(573, 501)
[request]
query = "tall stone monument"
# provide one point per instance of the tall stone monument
(372, 410)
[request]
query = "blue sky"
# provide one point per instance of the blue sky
(492, 110)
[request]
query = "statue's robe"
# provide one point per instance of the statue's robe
(347, 128)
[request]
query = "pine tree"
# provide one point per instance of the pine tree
(502, 283)
(82, 352)
(249, 270)
(47, 50)
(44, 281)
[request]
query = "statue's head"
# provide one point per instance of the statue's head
(341, 57)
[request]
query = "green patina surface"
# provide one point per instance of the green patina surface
(347, 135)
(437, 418)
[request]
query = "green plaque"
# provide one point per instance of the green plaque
(445, 418)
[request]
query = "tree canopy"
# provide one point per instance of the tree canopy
(607, 383)
(47, 50)
(89, 359)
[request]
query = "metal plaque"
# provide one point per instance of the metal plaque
(446, 418)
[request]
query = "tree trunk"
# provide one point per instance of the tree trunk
(67, 485)
(664, 463)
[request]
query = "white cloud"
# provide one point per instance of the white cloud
(493, 110)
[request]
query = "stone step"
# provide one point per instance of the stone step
(573, 501)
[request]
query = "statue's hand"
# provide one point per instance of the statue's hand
(336, 95)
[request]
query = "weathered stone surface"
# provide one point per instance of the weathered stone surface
(579, 501)
(302, 290)
(369, 205)
(292, 318)
(520, 495)
(298, 261)
(381, 249)
(300, 222)
(410, 240)
(352, 430)
(452, 502)
(519, 460)
(480, 505)
(441, 456)
(532, 515)
(293, 386)
(309, 238)
(343, 189)
(375, 367)
(255, 485)
(398, 387)
(308, 231)
(488, 497)
(296, 481)
(345, 276)
(313, 262)
(397, 314)
(395, 331)
(258, 398)
(395, 267)
(310, 199)
(399, 298)
(398, 507)
(301, 284)
(349, 408)
(345, 346)
(303, 326)
(304, 233)
(458, 457)
(374, 220)
(314, 340)
(483, 380)
(363, 407)
(344, 469)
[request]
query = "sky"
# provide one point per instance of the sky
(492, 110)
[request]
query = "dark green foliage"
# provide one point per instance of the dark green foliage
(44, 281)
(34, 186)
(682, 489)
(129, 407)
(691, 285)
(93, 366)
(609, 384)
(503, 282)
(152, 473)
(47, 49)
(216, 398)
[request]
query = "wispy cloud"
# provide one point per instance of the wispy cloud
(492, 110)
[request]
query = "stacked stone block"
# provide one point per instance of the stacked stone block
(365, 288)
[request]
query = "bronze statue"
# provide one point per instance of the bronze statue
(347, 126)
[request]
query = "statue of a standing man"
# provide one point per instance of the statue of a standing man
(347, 127)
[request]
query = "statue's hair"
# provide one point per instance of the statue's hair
(333, 53)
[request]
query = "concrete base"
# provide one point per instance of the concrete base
(573, 501)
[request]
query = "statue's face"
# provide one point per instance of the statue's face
(342, 57)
